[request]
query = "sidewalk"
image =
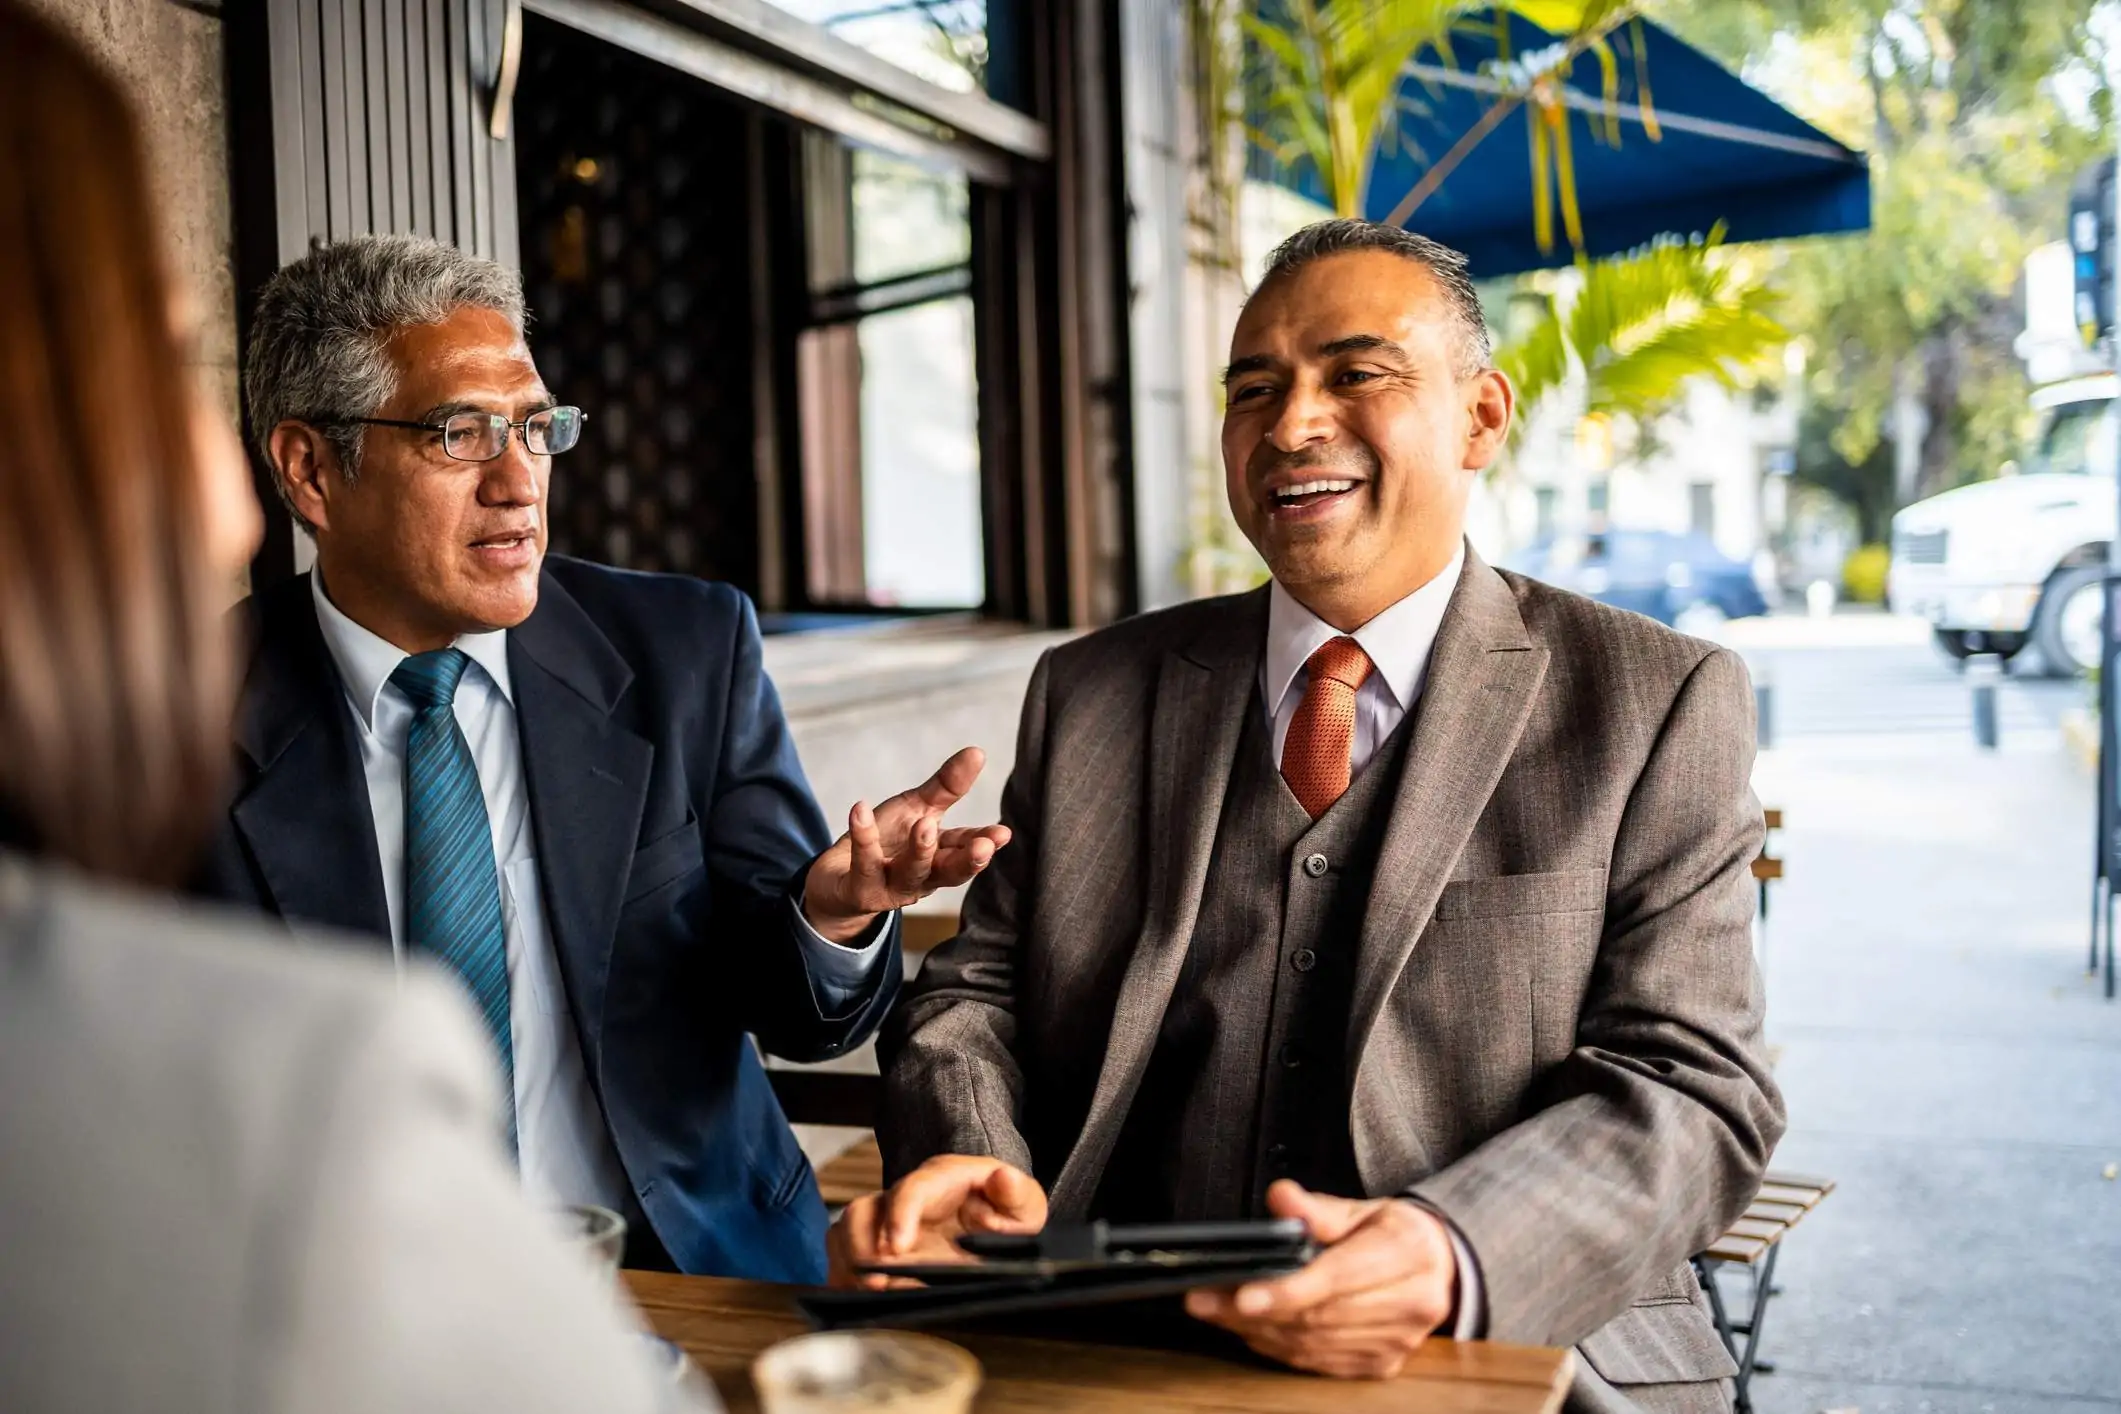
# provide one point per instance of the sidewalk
(1944, 1056)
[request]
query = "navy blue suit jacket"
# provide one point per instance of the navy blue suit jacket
(671, 819)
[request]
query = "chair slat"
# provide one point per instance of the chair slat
(1768, 1210)
(923, 932)
(828, 1096)
(1822, 1186)
(855, 1173)
(1745, 1250)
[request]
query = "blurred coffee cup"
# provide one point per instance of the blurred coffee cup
(875, 1371)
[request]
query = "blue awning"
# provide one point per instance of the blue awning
(1725, 152)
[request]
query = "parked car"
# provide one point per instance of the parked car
(1667, 576)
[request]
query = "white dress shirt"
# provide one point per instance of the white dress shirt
(563, 1146)
(1399, 642)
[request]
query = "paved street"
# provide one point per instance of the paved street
(1944, 1055)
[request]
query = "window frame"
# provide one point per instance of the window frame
(1048, 275)
(828, 313)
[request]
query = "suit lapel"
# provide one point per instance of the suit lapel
(1203, 690)
(588, 780)
(1483, 677)
(304, 813)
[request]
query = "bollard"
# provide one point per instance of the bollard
(1982, 672)
(1764, 715)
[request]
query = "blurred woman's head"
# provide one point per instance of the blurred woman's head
(125, 510)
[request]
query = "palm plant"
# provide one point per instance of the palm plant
(1328, 77)
(1217, 557)
(1328, 82)
(1642, 324)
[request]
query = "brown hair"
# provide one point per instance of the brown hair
(115, 675)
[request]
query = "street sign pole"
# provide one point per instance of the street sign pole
(2110, 638)
(2100, 851)
(2109, 760)
(2095, 249)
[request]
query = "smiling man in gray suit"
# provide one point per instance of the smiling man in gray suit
(1403, 896)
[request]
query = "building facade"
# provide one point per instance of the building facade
(855, 294)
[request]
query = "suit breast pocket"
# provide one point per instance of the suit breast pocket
(665, 861)
(1520, 948)
(1522, 895)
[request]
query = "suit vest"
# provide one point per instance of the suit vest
(1248, 1081)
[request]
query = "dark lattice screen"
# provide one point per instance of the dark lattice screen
(635, 260)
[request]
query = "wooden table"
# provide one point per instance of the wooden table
(722, 1324)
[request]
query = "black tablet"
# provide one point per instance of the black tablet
(1069, 1266)
(1108, 1244)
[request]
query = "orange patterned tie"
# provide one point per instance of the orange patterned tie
(1315, 758)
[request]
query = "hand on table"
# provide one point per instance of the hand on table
(917, 1218)
(1387, 1278)
(899, 853)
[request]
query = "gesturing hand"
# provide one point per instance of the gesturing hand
(1386, 1280)
(918, 1218)
(899, 853)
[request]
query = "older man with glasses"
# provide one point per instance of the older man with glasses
(570, 784)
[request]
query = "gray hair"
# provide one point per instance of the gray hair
(1344, 234)
(318, 341)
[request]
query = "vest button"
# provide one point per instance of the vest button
(1278, 1155)
(1291, 1057)
(1316, 865)
(1304, 960)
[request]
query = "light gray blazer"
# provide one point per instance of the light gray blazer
(242, 1175)
(1555, 1037)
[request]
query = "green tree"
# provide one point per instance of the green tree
(1865, 487)
(1977, 114)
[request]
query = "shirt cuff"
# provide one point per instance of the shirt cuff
(1470, 1320)
(840, 972)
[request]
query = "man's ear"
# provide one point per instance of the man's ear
(304, 460)
(1490, 404)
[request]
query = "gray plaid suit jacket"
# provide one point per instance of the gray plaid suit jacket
(1556, 1032)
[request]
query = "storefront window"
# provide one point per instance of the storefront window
(920, 458)
(907, 218)
(887, 386)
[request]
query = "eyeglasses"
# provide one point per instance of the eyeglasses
(482, 436)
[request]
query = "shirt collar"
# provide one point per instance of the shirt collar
(1399, 640)
(365, 661)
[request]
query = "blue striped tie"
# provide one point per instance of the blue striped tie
(452, 892)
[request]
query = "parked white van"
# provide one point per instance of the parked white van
(2015, 563)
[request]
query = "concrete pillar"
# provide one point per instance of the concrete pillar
(169, 60)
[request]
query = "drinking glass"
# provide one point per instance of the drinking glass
(599, 1233)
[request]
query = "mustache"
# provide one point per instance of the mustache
(1357, 462)
(497, 532)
